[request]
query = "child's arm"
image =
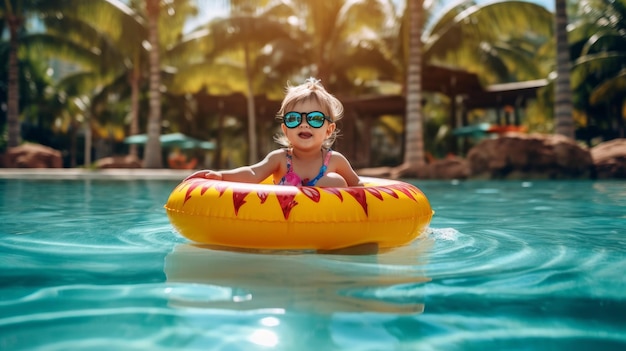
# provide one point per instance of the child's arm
(246, 174)
(344, 169)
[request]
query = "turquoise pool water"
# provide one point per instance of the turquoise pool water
(95, 265)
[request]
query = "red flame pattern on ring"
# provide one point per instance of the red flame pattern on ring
(287, 201)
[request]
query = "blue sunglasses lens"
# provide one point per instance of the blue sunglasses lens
(292, 119)
(315, 119)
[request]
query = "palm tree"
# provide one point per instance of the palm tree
(153, 158)
(14, 13)
(499, 41)
(563, 107)
(414, 140)
(243, 35)
(598, 40)
(466, 35)
(345, 42)
(338, 41)
(347, 45)
(242, 47)
(104, 38)
(14, 21)
(127, 30)
(471, 34)
(114, 34)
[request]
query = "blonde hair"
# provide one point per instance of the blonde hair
(311, 89)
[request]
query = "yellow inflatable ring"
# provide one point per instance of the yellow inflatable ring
(266, 216)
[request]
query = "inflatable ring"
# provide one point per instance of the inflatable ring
(266, 216)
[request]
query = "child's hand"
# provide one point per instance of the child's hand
(205, 174)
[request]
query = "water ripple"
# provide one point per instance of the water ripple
(497, 262)
(506, 265)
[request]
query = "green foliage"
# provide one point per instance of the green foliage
(598, 41)
(33, 84)
(354, 46)
(499, 40)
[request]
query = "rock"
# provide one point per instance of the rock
(378, 172)
(609, 159)
(451, 167)
(128, 161)
(32, 156)
(529, 156)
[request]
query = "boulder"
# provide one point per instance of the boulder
(128, 161)
(609, 159)
(529, 156)
(451, 167)
(32, 156)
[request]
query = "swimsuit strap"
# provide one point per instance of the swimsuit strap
(289, 160)
(290, 178)
(319, 176)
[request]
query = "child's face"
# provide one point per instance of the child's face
(304, 136)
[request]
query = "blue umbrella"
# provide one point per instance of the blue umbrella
(179, 140)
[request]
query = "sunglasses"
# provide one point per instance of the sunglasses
(315, 119)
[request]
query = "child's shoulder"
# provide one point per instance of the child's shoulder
(278, 153)
(337, 154)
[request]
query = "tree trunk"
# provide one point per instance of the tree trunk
(414, 138)
(153, 157)
(13, 113)
(252, 139)
(134, 104)
(217, 163)
(73, 143)
(563, 92)
(88, 140)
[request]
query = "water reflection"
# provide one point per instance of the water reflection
(96, 265)
(390, 282)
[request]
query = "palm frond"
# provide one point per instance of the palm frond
(604, 40)
(488, 23)
(214, 78)
(46, 44)
(610, 89)
(599, 66)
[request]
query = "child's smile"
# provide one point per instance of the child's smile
(305, 135)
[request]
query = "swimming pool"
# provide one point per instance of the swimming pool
(95, 265)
